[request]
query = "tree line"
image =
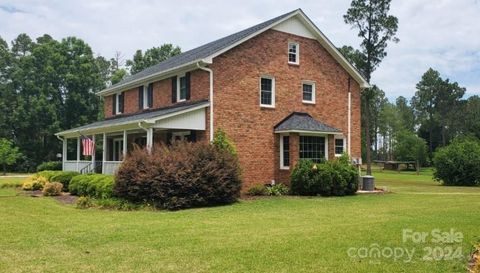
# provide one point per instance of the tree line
(49, 85)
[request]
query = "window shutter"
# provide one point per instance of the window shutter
(140, 97)
(187, 80)
(120, 103)
(174, 89)
(114, 104)
(150, 95)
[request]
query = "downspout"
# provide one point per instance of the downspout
(349, 117)
(210, 97)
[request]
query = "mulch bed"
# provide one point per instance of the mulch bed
(474, 263)
(66, 198)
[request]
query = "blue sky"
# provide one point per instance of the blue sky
(443, 34)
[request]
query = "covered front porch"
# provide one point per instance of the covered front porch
(114, 138)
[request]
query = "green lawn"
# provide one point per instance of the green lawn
(286, 234)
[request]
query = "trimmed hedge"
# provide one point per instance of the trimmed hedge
(47, 174)
(93, 185)
(64, 178)
(52, 189)
(331, 178)
(50, 166)
(182, 175)
(458, 164)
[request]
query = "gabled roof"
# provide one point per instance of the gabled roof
(303, 122)
(147, 117)
(205, 53)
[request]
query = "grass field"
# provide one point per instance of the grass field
(285, 234)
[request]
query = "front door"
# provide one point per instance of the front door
(117, 149)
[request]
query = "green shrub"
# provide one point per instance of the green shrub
(64, 178)
(257, 190)
(50, 166)
(47, 174)
(84, 202)
(93, 185)
(182, 175)
(34, 183)
(52, 189)
(276, 190)
(330, 178)
(458, 164)
(222, 142)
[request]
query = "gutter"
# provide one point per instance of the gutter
(349, 117)
(210, 97)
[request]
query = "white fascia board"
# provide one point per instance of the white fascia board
(132, 124)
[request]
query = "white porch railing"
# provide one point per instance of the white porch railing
(110, 167)
(73, 165)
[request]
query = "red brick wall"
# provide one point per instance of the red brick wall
(162, 93)
(236, 100)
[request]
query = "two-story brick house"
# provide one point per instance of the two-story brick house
(280, 90)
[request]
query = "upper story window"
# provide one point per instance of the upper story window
(267, 91)
(293, 53)
(145, 96)
(339, 146)
(182, 88)
(308, 92)
(118, 102)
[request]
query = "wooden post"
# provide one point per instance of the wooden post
(93, 152)
(149, 139)
(64, 152)
(124, 152)
(78, 154)
(104, 152)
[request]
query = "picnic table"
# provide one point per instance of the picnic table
(395, 165)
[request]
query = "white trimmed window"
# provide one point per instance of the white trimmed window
(284, 152)
(181, 88)
(119, 98)
(267, 91)
(293, 53)
(339, 146)
(313, 148)
(308, 92)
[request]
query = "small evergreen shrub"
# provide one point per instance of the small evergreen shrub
(92, 185)
(277, 190)
(52, 189)
(458, 164)
(50, 166)
(222, 142)
(257, 190)
(330, 178)
(84, 202)
(182, 175)
(64, 178)
(47, 174)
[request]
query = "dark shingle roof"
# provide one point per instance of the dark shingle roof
(200, 52)
(126, 119)
(298, 121)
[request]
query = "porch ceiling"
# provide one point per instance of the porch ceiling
(128, 122)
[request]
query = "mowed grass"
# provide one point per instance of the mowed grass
(285, 234)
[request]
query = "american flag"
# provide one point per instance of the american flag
(88, 146)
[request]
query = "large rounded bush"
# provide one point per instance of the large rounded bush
(183, 175)
(330, 178)
(50, 166)
(458, 164)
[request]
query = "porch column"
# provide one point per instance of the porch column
(124, 144)
(104, 152)
(93, 152)
(64, 152)
(149, 139)
(78, 154)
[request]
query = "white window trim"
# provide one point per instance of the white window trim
(183, 134)
(282, 167)
(117, 103)
(312, 83)
(178, 87)
(273, 91)
(335, 146)
(319, 135)
(297, 53)
(145, 96)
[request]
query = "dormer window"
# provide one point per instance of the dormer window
(293, 53)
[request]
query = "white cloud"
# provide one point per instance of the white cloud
(442, 34)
